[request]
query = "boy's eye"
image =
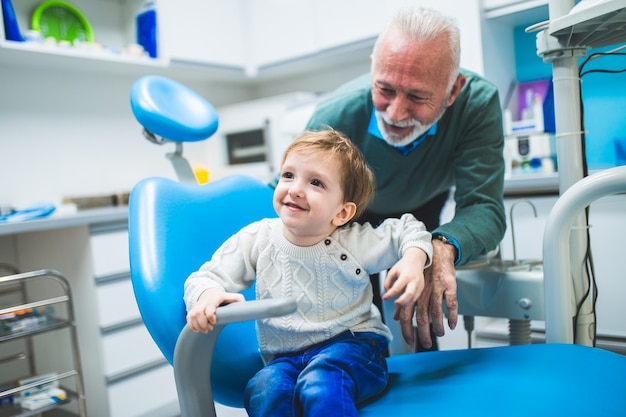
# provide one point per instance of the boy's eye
(317, 183)
(287, 174)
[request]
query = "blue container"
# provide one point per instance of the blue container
(146, 22)
(11, 28)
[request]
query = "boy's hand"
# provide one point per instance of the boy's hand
(202, 318)
(406, 280)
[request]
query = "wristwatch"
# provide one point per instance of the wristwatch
(443, 238)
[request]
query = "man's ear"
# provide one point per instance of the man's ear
(344, 215)
(458, 85)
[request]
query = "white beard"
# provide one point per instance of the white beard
(395, 140)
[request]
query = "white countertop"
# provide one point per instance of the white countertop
(531, 184)
(61, 220)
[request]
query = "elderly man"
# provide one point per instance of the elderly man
(427, 127)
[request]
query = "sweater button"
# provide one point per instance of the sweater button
(327, 242)
(343, 256)
(358, 271)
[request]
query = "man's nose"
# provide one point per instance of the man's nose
(397, 109)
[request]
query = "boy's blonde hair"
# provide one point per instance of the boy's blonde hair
(357, 179)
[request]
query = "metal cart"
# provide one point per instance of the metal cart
(40, 303)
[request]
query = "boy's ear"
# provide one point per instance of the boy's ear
(346, 213)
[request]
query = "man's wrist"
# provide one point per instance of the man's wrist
(451, 242)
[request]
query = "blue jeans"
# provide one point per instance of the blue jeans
(327, 379)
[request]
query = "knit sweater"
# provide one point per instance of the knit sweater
(330, 280)
(466, 152)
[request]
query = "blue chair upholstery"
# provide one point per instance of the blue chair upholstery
(175, 227)
(172, 110)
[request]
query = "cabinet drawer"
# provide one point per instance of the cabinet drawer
(110, 253)
(144, 395)
(128, 349)
(116, 303)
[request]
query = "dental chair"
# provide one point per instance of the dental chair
(174, 227)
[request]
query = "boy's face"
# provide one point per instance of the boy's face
(309, 197)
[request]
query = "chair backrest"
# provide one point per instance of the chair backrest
(173, 229)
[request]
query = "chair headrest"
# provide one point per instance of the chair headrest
(171, 110)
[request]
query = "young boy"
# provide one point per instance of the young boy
(329, 355)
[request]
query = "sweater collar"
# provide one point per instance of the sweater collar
(374, 130)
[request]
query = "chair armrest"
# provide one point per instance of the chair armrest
(255, 310)
(194, 353)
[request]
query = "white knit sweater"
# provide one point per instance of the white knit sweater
(330, 280)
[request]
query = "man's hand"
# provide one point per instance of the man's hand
(440, 284)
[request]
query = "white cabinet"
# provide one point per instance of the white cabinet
(110, 252)
(124, 373)
(138, 380)
(283, 31)
(494, 8)
(339, 23)
(234, 37)
(148, 394)
(280, 30)
(116, 302)
(207, 32)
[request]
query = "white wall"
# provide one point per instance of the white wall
(73, 134)
(70, 133)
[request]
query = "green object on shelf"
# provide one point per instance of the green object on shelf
(62, 21)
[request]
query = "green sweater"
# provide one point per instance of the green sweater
(466, 152)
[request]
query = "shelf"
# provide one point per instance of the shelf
(517, 13)
(531, 184)
(56, 57)
(601, 24)
(30, 301)
(54, 325)
(17, 411)
(52, 57)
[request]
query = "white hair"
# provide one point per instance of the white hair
(423, 24)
